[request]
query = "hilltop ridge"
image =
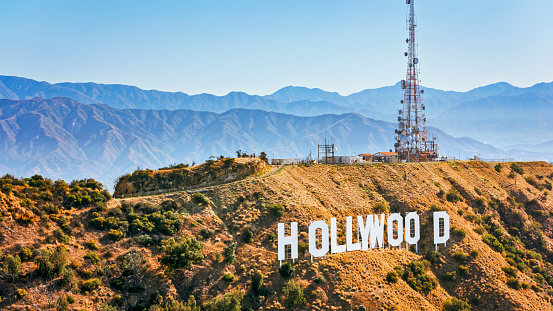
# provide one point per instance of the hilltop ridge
(498, 258)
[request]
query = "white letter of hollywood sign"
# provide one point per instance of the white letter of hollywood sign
(370, 234)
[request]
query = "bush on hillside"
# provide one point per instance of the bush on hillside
(229, 302)
(293, 294)
(276, 209)
(181, 253)
(454, 304)
(417, 278)
(286, 270)
(229, 252)
(392, 277)
(51, 263)
(517, 168)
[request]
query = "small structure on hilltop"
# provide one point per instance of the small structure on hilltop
(365, 156)
(388, 157)
(326, 150)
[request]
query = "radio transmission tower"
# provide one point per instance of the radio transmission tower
(412, 143)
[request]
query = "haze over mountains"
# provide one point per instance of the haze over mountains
(71, 135)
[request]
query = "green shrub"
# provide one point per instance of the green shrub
(474, 253)
(498, 167)
(257, 281)
(513, 283)
(200, 198)
(229, 302)
(25, 254)
(480, 202)
(52, 263)
(12, 268)
(228, 252)
(432, 256)
(436, 208)
(510, 271)
(512, 175)
(293, 294)
(493, 242)
(548, 185)
(532, 181)
(20, 293)
(62, 304)
(93, 257)
(479, 230)
(68, 277)
(453, 196)
(454, 304)
(144, 240)
(381, 207)
(206, 233)
(460, 256)
(91, 285)
(175, 305)
(247, 234)
(181, 253)
(450, 276)
(115, 235)
(478, 191)
(286, 270)
(458, 232)
(464, 270)
(441, 193)
(276, 209)
(417, 278)
(60, 236)
(392, 277)
(229, 277)
(517, 168)
(92, 245)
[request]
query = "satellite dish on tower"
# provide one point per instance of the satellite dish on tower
(415, 60)
(408, 1)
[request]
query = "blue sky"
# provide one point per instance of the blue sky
(259, 46)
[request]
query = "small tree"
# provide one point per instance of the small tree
(392, 277)
(294, 294)
(52, 262)
(229, 302)
(286, 270)
(263, 156)
(182, 253)
(12, 268)
(248, 235)
(257, 281)
(228, 252)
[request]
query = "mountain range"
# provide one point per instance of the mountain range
(71, 130)
(480, 113)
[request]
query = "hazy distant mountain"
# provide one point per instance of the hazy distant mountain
(124, 96)
(498, 114)
(503, 120)
(63, 138)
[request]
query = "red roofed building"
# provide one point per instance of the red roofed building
(385, 157)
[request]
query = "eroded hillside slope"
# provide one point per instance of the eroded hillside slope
(498, 258)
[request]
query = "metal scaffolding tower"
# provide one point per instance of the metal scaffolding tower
(412, 140)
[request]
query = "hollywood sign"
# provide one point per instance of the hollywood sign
(370, 234)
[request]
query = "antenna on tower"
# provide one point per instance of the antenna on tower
(412, 143)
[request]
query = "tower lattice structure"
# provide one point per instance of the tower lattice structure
(412, 140)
